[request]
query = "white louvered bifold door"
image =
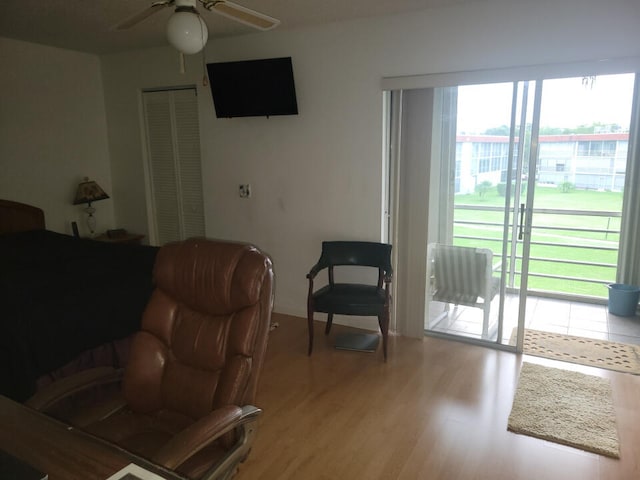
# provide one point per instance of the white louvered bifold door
(173, 143)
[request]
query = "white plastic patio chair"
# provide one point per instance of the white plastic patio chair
(463, 276)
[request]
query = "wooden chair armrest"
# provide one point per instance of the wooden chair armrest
(314, 271)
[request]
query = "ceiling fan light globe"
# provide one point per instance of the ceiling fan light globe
(187, 32)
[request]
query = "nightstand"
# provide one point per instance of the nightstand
(131, 238)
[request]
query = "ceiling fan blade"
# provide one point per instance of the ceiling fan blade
(242, 14)
(137, 18)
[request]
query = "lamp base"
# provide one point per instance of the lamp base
(91, 220)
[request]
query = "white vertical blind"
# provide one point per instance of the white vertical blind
(629, 252)
(412, 198)
(173, 143)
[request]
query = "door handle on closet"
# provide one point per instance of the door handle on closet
(521, 221)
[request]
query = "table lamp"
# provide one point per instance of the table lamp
(89, 191)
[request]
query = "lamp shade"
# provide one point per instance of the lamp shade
(89, 191)
(187, 32)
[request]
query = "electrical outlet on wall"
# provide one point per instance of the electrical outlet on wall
(244, 190)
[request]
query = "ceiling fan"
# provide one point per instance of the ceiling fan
(186, 30)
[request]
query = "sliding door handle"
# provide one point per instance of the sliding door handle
(521, 221)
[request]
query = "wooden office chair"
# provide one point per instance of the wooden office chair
(463, 276)
(187, 392)
(352, 298)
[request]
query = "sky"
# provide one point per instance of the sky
(566, 103)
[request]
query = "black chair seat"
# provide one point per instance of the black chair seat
(350, 299)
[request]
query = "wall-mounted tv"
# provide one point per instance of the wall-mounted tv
(253, 88)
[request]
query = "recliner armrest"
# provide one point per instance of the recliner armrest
(57, 391)
(202, 433)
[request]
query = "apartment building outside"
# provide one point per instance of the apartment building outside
(590, 161)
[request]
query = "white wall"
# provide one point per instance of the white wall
(52, 131)
(316, 176)
(124, 77)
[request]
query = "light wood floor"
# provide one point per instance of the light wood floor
(437, 409)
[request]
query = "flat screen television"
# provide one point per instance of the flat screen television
(253, 88)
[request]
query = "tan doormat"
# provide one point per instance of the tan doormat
(565, 407)
(620, 357)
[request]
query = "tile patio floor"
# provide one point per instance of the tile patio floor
(550, 315)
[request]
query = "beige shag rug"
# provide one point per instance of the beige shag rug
(620, 357)
(565, 407)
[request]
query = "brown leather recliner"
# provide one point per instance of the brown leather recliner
(186, 394)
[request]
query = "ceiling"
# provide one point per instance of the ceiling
(88, 25)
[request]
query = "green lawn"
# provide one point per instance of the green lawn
(568, 244)
(552, 197)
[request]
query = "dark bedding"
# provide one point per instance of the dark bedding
(61, 296)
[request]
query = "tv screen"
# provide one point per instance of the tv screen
(253, 88)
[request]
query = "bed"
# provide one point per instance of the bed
(66, 303)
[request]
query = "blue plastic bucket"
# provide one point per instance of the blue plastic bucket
(623, 299)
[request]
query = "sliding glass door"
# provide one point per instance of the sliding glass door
(480, 199)
(513, 167)
(575, 223)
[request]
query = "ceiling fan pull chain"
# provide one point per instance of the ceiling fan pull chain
(181, 60)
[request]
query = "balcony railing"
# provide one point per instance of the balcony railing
(573, 252)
